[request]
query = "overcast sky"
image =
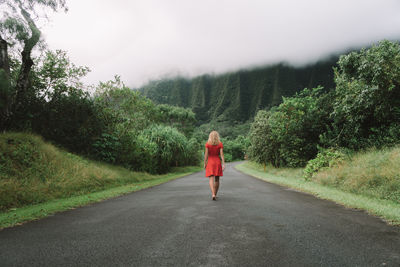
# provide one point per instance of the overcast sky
(147, 39)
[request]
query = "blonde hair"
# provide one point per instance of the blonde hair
(213, 138)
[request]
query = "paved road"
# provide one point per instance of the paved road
(177, 224)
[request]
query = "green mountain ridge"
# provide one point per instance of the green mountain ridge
(237, 96)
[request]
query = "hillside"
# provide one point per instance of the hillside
(238, 95)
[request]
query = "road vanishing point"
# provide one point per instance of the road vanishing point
(253, 223)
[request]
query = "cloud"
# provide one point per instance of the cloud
(145, 39)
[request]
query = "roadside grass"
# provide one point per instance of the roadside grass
(33, 171)
(374, 173)
(37, 179)
(388, 210)
(17, 216)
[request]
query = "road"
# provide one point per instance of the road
(253, 223)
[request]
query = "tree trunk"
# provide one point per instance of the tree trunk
(4, 62)
(5, 84)
(13, 100)
(26, 61)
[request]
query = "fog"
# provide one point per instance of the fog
(147, 39)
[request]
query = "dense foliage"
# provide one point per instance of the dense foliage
(367, 103)
(141, 135)
(235, 149)
(325, 159)
(178, 117)
(108, 125)
(361, 112)
(235, 97)
(288, 135)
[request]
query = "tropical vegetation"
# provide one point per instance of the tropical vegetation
(361, 112)
(42, 92)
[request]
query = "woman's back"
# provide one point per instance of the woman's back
(214, 150)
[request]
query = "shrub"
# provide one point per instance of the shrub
(228, 157)
(325, 159)
(171, 147)
(236, 148)
(194, 152)
(288, 135)
(106, 147)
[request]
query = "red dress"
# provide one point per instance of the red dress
(214, 167)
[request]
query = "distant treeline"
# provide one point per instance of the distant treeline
(237, 96)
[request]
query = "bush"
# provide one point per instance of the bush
(236, 149)
(325, 159)
(228, 157)
(288, 135)
(106, 147)
(171, 147)
(140, 154)
(194, 152)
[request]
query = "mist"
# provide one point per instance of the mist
(149, 39)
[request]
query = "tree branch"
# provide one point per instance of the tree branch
(27, 62)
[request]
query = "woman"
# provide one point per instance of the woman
(212, 163)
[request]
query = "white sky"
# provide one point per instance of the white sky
(149, 39)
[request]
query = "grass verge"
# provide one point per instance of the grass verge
(373, 172)
(17, 216)
(385, 209)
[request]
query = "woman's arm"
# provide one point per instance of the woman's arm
(205, 158)
(221, 152)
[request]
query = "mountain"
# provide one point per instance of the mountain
(237, 96)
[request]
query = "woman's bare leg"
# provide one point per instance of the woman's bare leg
(212, 187)
(216, 185)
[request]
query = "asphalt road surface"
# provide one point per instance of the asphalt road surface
(253, 223)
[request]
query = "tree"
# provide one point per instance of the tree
(181, 118)
(125, 110)
(18, 31)
(288, 135)
(367, 103)
(57, 105)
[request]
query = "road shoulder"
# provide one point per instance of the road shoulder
(18, 216)
(387, 210)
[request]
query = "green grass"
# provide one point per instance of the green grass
(375, 173)
(386, 209)
(33, 171)
(37, 179)
(18, 216)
